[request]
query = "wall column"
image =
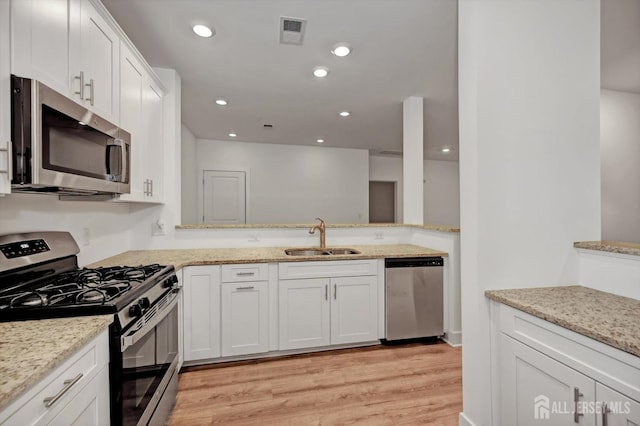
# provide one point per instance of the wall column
(413, 160)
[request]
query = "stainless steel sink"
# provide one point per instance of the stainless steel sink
(307, 252)
(343, 251)
(320, 252)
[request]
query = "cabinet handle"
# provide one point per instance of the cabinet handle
(90, 85)
(576, 400)
(335, 292)
(8, 170)
(81, 91)
(68, 384)
(151, 187)
(245, 274)
(326, 292)
(605, 411)
(250, 287)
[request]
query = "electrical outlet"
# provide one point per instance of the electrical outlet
(378, 236)
(86, 236)
(254, 238)
(159, 228)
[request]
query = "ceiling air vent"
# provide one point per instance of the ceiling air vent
(292, 30)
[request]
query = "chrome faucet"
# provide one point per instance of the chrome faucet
(322, 228)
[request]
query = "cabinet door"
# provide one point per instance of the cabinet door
(304, 313)
(131, 85)
(354, 309)
(619, 409)
(245, 318)
(97, 58)
(201, 312)
(535, 388)
(40, 30)
(5, 101)
(152, 120)
(90, 406)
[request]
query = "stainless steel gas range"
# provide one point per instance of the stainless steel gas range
(40, 278)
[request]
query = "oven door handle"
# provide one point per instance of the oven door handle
(133, 338)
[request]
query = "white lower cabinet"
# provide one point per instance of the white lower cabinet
(245, 318)
(327, 310)
(304, 311)
(201, 313)
(616, 409)
(90, 407)
(545, 374)
(535, 387)
(75, 393)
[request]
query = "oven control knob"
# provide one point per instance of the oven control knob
(169, 282)
(135, 310)
(144, 303)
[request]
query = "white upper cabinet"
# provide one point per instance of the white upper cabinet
(5, 100)
(41, 30)
(68, 46)
(153, 122)
(131, 85)
(94, 58)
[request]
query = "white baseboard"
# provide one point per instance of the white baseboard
(453, 338)
(464, 420)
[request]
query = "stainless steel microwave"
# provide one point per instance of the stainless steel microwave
(59, 146)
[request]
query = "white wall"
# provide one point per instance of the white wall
(107, 222)
(295, 184)
(441, 193)
(611, 272)
(189, 176)
(441, 187)
(529, 159)
(620, 159)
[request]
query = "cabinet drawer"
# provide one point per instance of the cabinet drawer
(327, 269)
(72, 375)
(245, 272)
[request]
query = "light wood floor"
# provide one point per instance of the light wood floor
(414, 384)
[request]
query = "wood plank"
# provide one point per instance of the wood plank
(413, 384)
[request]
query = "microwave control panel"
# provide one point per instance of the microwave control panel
(24, 248)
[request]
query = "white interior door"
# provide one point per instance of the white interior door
(224, 197)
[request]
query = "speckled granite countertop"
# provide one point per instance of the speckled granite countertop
(440, 228)
(610, 246)
(605, 317)
(186, 257)
(31, 349)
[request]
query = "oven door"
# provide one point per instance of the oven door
(149, 365)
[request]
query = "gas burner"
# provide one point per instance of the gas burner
(29, 299)
(134, 274)
(91, 296)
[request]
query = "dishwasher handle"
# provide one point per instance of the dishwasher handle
(413, 262)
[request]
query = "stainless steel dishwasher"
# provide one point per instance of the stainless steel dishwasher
(414, 304)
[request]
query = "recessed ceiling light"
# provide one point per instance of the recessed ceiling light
(320, 141)
(221, 102)
(320, 72)
(345, 113)
(341, 49)
(233, 135)
(202, 30)
(445, 150)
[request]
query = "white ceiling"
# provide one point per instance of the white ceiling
(401, 48)
(620, 45)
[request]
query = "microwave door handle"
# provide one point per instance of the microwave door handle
(132, 339)
(111, 145)
(123, 152)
